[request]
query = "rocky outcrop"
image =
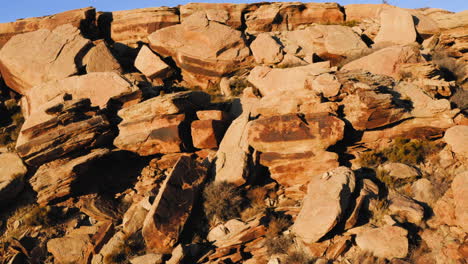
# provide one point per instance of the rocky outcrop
(132, 26)
(62, 177)
(173, 205)
(385, 242)
(396, 26)
(157, 125)
(12, 172)
(203, 49)
(83, 18)
(327, 198)
(229, 14)
(60, 55)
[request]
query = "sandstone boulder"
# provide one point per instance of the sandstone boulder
(386, 242)
(12, 172)
(83, 18)
(157, 125)
(150, 64)
(33, 58)
(406, 208)
(396, 26)
(266, 50)
(326, 200)
(422, 104)
(386, 61)
(212, 115)
(69, 249)
(100, 59)
(460, 188)
(363, 12)
(291, 16)
(448, 20)
(400, 170)
(129, 27)
(148, 259)
(73, 126)
(173, 205)
(229, 14)
(207, 134)
(423, 191)
(60, 178)
(456, 137)
(203, 49)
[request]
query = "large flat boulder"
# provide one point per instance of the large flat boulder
(128, 27)
(204, 50)
(157, 125)
(385, 242)
(266, 50)
(229, 14)
(150, 64)
(83, 18)
(396, 26)
(446, 19)
(60, 178)
(386, 61)
(100, 59)
(363, 12)
(456, 137)
(72, 126)
(44, 55)
(291, 16)
(173, 205)
(12, 172)
(326, 200)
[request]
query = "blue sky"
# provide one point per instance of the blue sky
(13, 9)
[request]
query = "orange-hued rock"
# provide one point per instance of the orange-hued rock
(150, 64)
(396, 26)
(100, 59)
(83, 18)
(327, 199)
(157, 125)
(59, 178)
(203, 49)
(12, 172)
(446, 19)
(207, 134)
(266, 50)
(293, 134)
(369, 110)
(131, 26)
(173, 205)
(362, 12)
(33, 58)
(460, 200)
(72, 126)
(457, 137)
(386, 61)
(212, 115)
(384, 242)
(291, 16)
(229, 14)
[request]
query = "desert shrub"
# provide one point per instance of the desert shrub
(279, 244)
(277, 225)
(40, 216)
(379, 210)
(238, 85)
(371, 159)
(222, 201)
(449, 64)
(252, 211)
(257, 195)
(460, 98)
(298, 257)
(350, 23)
(409, 151)
(132, 245)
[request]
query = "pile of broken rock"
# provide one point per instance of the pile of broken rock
(129, 115)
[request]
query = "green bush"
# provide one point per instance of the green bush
(222, 201)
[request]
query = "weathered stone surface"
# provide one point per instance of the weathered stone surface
(69, 249)
(150, 64)
(32, 58)
(156, 125)
(212, 115)
(290, 16)
(173, 205)
(460, 189)
(228, 14)
(266, 50)
(423, 191)
(363, 12)
(385, 242)
(448, 20)
(400, 170)
(56, 179)
(12, 172)
(98, 87)
(100, 59)
(207, 134)
(292, 134)
(425, 26)
(326, 200)
(131, 26)
(201, 48)
(386, 61)
(457, 137)
(80, 18)
(134, 218)
(325, 84)
(396, 26)
(270, 81)
(73, 126)
(232, 159)
(148, 259)
(422, 104)
(406, 208)
(104, 255)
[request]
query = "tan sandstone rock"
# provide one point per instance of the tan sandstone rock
(69, 249)
(229, 14)
(12, 172)
(207, 134)
(100, 59)
(173, 205)
(324, 204)
(33, 58)
(386, 242)
(457, 137)
(460, 188)
(150, 64)
(396, 26)
(266, 50)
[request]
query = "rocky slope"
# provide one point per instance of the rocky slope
(222, 133)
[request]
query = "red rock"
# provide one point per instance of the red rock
(385, 242)
(83, 18)
(266, 50)
(173, 206)
(229, 14)
(212, 115)
(207, 134)
(100, 59)
(150, 64)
